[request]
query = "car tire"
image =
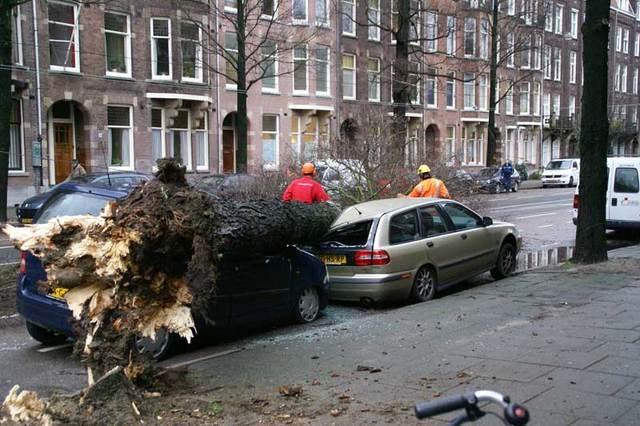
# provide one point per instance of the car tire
(515, 187)
(506, 263)
(544, 186)
(570, 182)
(306, 306)
(161, 348)
(424, 285)
(44, 336)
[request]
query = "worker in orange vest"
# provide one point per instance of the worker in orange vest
(429, 186)
(306, 189)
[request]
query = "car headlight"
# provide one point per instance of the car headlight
(488, 180)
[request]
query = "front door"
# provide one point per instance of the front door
(63, 149)
(228, 151)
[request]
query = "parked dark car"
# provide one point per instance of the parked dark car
(228, 185)
(292, 284)
(489, 179)
(124, 181)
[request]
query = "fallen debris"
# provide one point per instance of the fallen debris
(24, 407)
(290, 390)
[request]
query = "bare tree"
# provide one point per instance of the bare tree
(591, 243)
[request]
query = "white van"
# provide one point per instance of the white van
(623, 194)
(561, 172)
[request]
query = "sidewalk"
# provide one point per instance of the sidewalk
(531, 184)
(563, 341)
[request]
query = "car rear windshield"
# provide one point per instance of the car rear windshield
(71, 205)
(559, 165)
(355, 234)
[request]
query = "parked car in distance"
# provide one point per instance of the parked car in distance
(563, 172)
(124, 181)
(490, 179)
(623, 194)
(410, 248)
(254, 289)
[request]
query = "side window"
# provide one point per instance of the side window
(575, 165)
(461, 217)
(432, 222)
(403, 227)
(626, 180)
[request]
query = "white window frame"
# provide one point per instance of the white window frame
(373, 32)
(198, 60)
(473, 34)
(634, 86)
(548, 18)
(319, 23)
(466, 86)
(624, 78)
(276, 89)
(526, 95)
(546, 104)
(483, 93)
(451, 35)
(618, 39)
(327, 64)
(298, 21)
(276, 165)
(483, 41)
(510, 50)
(131, 139)
(573, 59)
(75, 37)
(625, 40)
(377, 75)
(636, 45)
(189, 130)
(557, 64)
(537, 87)
(548, 62)
(227, 84)
(508, 99)
(205, 132)
(559, 18)
(154, 53)
(511, 7)
(22, 168)
(353, 79)
(299, 92)
(17, 28)
(127, 46)
(351, 17)
(525, 57)
(451, 82)
(230, 9)
(571, 109)
(431, 39)
(449, 145)
(574, 24)
(163, 139)
(431, 79)
(555, 105)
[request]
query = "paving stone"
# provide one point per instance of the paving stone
(632, 391)
(585, 381)
(630, 417)
(618, 365)
(606, 334)
(622, 349)
(508, 370)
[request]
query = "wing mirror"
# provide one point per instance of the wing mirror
(486, 221)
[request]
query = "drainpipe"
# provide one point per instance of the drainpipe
(38, 94)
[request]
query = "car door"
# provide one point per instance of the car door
(477, 250)
(260, 288)
(624, 199)
(575, 172)
(405, 246)
(440, 246)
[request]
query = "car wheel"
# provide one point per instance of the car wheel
(506, 263)
(570, 182)
(44, 336)
(544, 186)
(424, 285)
(159, 348)
(307, 306)
(515, 187)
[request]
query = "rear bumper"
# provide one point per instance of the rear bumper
(42, 310)
(556, 181)
(377, 287)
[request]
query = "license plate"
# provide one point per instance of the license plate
(27, 221)
(334, 259)
(58, 292)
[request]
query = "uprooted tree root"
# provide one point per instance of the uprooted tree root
(151, 262)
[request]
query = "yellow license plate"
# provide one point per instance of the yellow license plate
(334, 259)
(58, 292)
(27, 221)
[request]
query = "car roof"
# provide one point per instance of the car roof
(90, 189)
(377, 208)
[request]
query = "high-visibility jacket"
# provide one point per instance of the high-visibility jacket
(431, 187)
(306, 190)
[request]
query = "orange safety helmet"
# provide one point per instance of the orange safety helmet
(308, 169)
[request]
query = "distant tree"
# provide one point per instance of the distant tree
(591, 242)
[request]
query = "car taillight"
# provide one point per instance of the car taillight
(23, 262)
(371, 257)
(576, 201)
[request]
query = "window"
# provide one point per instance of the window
(270, 67)
(557, 64)
(268, 8)
(451, 90)
(548, 17)
(508, 99)
(626, 180)
(432, 99)
(559, 10)
(300, 70)
(636, 45)
(511, 7)
(547, 62)
(161, 48)
(525, 53)
(524, 98)
(556, 105)
(432, 222)
(231, 6)
(270, 141)
(625, 40)
(497, 104)
(574, 23)
(373, 14)
(16, 145)
(158, 149)
(536, 98)
(616, 84)
(16, 36)
(373, 79)
(546, 104)
(322, 13)
(469, 36)
(348, 76)
(537, 51)
(472, 145)
(300, 11)
(322, 70)
(572, 66)
(451, 35)
(510, 50)
(482, 92)
(484, 39)
(348, 16)
(179, 143)
(354, 235)
(635, 82)
(120, 136)
(623, 84)
(618, 39)
(117, 35)
(202, 143)
(572, 106)
(449, 144)
(403, 228)
(469, 91)
(432, 30)
(231, 59)
(64, 52)
(191, 43)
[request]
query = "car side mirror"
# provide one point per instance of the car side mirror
(486, 221)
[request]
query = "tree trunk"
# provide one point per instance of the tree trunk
(241, 96)
(400, 82)
(591, 242)
(5, 105)
(493, 82)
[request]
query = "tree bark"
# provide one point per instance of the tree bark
(493, 82)
(5, 104)
(400, 81)
(241, 94)
(591, 243)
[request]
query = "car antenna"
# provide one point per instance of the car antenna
(356, 209)
(104, 155)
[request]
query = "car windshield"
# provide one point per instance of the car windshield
(73, 204)
(559, 165)
(355, 234)
(488, 172)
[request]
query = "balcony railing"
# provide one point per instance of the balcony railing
(560, 122)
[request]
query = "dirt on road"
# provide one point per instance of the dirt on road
(8, 276)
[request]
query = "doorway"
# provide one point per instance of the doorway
(63, 149)
(229, 144)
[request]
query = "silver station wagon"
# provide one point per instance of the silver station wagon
(409, 248)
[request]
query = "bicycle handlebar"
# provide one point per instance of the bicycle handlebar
(444, 405)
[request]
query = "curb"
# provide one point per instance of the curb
(8, 321)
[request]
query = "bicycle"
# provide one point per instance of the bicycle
(513, 414)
